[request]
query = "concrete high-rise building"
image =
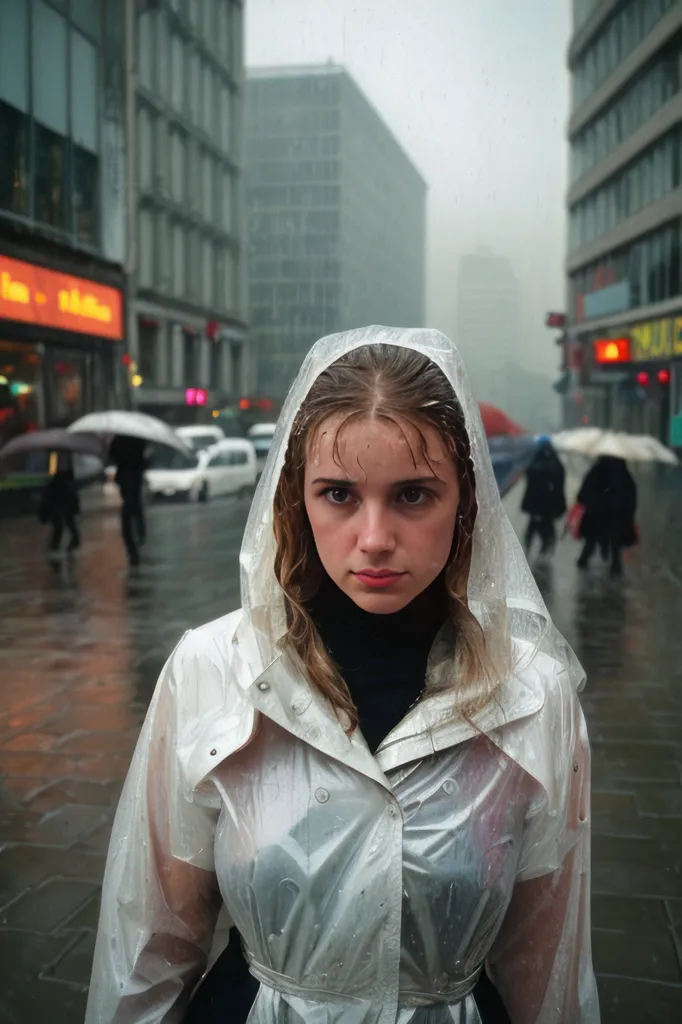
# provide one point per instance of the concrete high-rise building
(488, 322)
(336, 217)
(62, 210)
(188, 317)
(625, 216)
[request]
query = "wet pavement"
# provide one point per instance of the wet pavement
(81, 646)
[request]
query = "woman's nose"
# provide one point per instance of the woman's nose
(376, 533)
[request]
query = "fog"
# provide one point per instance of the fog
(476, 91)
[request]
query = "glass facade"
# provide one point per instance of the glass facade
(620, 35)
(651, 267)
(189, 181)
(49, 114)
(648, 93)
(650, 177)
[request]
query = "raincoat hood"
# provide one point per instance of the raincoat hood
(502, 592)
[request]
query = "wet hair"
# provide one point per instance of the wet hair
(401, 386)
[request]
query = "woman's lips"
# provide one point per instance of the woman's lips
(378, 580)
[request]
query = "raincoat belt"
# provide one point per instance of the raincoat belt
(285, 985)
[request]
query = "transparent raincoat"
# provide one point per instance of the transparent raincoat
(367, 889)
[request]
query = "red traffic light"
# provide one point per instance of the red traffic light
(663, 377)
(642, 378)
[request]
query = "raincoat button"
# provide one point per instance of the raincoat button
(298, 707)
(322, 795)
(576, 767)
(264, 686)
(214, 752)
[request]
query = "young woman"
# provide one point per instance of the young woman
(378, 767)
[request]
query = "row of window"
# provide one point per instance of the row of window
(650, 177)
(161, 364)
(629, 26)
(322, 318)
(300, 91)
(172, 163)
(178, 71)
(263, 267)
(651, 266)
(630, 111)
(293, 121)
(293, 222)
(177, 259)
(291, 197)
(308, 147)
(296, 294)
(284, 172)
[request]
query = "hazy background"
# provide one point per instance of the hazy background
(477, 93)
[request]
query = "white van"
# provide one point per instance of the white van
(262, 434)
(229, 467)
(200, 436)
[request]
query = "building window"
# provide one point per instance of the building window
(145, 50)
(207, 99)
(178, 167)
(225, 119)
(13, 159)
(50, 175)
(85, 195)
(207, 187)
(223, 34)
(87, 14)
(179, 250)
(146, 261)
(14, 54)
(145, 149)
(49, 68)
(226, 202)
(207, 273)
(178, 73)
(194, 74)
(189, 358)
(216, 368)
(148, 338)
(163, 257)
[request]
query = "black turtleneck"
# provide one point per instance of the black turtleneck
(382, 658)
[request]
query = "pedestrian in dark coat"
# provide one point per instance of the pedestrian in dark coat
(544, 500)
(609, 497)
(59, 506)
(129, 456)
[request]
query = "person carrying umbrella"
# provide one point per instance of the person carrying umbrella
(129, 456)
(609, 496)
(60, 505)
(544, 500)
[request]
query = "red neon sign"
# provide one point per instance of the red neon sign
(35, 295)
(612, 350)
(195, 396)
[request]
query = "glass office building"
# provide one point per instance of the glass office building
(625, 215)
(336, 217)
(62, 209)
(189, 324)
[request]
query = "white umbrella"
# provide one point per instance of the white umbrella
(594, 441)
(130, 424)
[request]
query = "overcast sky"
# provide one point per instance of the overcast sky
(477, 93)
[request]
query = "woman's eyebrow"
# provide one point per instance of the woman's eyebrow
(414, 481)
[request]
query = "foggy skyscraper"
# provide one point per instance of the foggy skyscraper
(336, 217)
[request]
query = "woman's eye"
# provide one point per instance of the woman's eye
(337, 495)
(414, 496)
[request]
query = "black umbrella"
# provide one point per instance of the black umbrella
(53, 441)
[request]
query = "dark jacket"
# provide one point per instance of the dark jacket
(545, 478)
(609, 495)
(128, 454)
(60, 497)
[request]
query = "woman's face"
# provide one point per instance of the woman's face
(383, 520)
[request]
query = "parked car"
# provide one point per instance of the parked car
(262, 434)
(172, 474)
(229, 467)
(200, 436)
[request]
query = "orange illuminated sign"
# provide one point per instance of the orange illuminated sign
(35, 295)
(612, 350)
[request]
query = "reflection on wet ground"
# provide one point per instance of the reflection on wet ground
(82, 643)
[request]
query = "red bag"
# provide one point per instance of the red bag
(574, 520)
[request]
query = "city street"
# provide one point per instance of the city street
(82, 643)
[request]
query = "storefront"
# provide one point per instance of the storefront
(60, 347)
(632, 378)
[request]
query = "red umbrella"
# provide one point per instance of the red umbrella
(497, 424)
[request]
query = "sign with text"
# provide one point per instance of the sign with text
(657, 339)
(36, 295)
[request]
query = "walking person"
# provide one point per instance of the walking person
(545, 498)
(375, 774)
(128, 454)
(608, 495)
(60, 506)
